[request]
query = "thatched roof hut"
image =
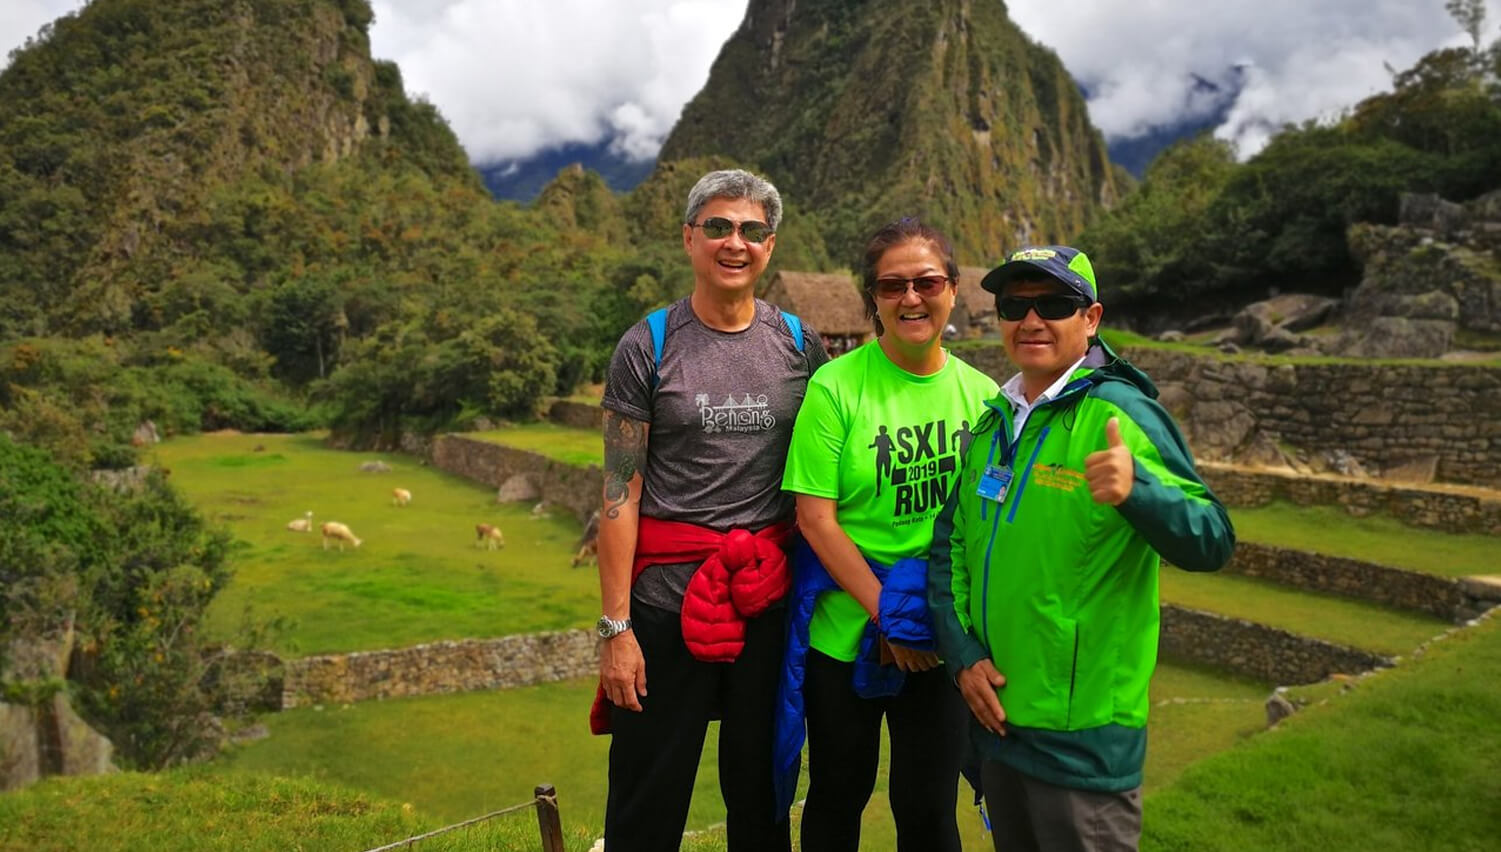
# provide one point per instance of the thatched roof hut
(830, 302)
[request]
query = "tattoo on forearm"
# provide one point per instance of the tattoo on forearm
(625, 456)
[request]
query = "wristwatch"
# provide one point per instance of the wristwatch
(609, 628)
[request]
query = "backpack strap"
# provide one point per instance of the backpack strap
(795, 326)
(656, 321)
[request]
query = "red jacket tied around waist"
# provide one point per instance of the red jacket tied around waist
(743, 574)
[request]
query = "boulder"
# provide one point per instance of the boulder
(1172, 335)
(1432, 305)
(374, 467)
(518, 488)
(1395, 337)
(1342, 463)
(1279, 339)
(1278, 707)
(1262, 450)
(1272, 324)
(145, 435)
(44, 736)
(1250, 327)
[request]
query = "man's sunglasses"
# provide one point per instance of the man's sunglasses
(1055, 306)
(718, 227)
(896, 288)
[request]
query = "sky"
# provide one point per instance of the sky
(514, 77)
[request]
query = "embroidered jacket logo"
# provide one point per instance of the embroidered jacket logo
(747, 414)
(916, 463)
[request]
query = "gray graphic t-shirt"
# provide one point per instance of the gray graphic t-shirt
(721, 416)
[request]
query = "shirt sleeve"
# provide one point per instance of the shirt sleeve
(814, 349)
(628, 381)
(818, 439)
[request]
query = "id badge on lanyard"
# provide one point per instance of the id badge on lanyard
(994, 483)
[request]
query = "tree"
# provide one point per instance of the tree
(1470, 15)
(134, 572)
(301, 328)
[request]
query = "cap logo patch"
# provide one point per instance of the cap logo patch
(1035, 254)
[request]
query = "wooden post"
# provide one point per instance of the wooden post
(548, 821)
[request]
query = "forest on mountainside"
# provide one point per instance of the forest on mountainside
(1203, 231)
(222, 215)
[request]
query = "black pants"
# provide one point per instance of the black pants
(1028, 815)
(654, 754)
(927, 722)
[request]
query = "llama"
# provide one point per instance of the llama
(339, 532)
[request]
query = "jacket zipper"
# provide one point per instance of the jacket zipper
(1073, 674)
(1011, 447)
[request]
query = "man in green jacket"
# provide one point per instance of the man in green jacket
(1043, 575)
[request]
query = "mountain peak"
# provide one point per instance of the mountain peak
(876, 110)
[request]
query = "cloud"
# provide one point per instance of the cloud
(20, 20)
(1302, 60)
(517, 76)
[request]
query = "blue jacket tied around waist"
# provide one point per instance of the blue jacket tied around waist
(904, 620)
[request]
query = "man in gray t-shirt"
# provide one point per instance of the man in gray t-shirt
(697, 433)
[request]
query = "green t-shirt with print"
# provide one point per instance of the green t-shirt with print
(885, 445)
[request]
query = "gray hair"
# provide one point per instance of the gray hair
(734, 183)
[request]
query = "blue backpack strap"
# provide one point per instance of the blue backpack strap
(795, 326)
(657, 322)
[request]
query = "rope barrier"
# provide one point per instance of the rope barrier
(536, 800)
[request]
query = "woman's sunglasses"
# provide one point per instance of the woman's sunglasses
(718, 227)
(1055, 306)
(896, 288)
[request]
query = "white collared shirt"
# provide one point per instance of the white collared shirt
(1020, 408)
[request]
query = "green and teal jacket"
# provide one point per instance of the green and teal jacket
(1061, 592)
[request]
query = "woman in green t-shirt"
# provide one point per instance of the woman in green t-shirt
(874, 453)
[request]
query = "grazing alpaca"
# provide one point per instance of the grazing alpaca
(490, 536)
(588, 546)
(336, 530)
(400, 497)
(302, 524)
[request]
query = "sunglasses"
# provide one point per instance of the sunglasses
(896, 288)
(718, 227)
(1054, 306)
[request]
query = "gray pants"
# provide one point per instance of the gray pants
(1028, 815)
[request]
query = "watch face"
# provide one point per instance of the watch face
(605, 627)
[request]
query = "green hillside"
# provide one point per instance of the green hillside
(870, 111)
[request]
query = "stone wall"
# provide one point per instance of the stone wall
(1446, 417)
(1256, 651)
(441, 667)
(1447, 508)
(578, 415)
(575, 488)
(1445, 597)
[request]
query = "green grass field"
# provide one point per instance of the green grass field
(1405, 761)
(1348, 622)
(418, 577)
(374, 772)
(1375, 538)
(561, 443)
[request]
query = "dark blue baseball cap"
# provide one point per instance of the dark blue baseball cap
(1069, 266)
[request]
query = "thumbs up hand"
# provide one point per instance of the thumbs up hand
(1110, 471)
